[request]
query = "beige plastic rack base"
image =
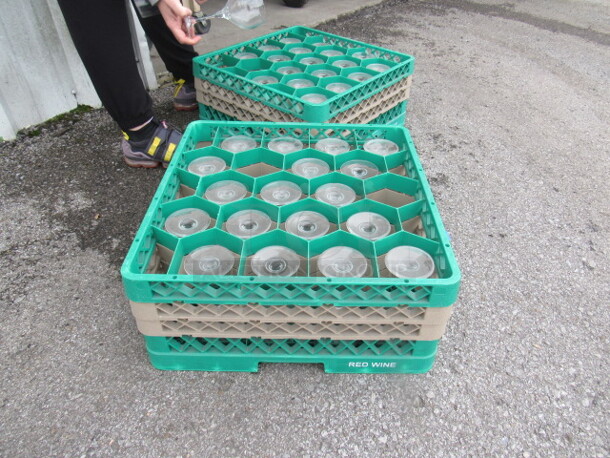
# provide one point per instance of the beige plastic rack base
(246, 109)
(296, 322)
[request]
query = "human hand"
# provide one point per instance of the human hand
(174, 13)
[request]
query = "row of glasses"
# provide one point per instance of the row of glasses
(307, 167)
(298, 50)
(298, 55)
(280, 193)
(335, 262)
(329, 145)
(308, 225)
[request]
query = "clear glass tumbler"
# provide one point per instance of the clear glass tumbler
(336, 194)
(360, 169)
(275, 261)
(323, 73)
(344, 63)
(299, 83)
(281, 192)
(289, 70)
(332, 53)
(187, 221)
(310, 60)
(308, 225)
(368, 225)
(332, 146)
(378, 67)
(207, 165)
(310, 167)
(225, 191)
(238, 143)
(209, 260)
(338, 88)
(409, 262)
(248, 223)
(359, 76)
(265, 79)
(342, 261)
(314, 98)
(278, 58)
(380, 146)
(285, 145)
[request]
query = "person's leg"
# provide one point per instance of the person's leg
(178, 58)
(101, 34)
(100, 31)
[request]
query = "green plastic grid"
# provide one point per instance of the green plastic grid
(151, 271)
(224, 69)
(395, 116)
(245, 355)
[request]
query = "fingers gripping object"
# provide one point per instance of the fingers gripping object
(197, 24)
(245, 14)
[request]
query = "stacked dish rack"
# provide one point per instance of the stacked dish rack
(375, 323)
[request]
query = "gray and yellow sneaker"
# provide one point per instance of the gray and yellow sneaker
(185, 96)
(154, 150)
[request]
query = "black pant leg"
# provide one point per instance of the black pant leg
(178, 58)
(100, 31)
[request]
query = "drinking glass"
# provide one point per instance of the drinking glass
(332, 146)
(342, 261)
(281, 192)
(336, 194)
(285, 145)
(187, 221)
(368, 225)
(245, 14)
(307, 224)
(238, 143)
(380, 146)
(209, 260)
(360, 168)
(409, 262)
(225, 191)
(207, 165)
(310, 167)
(275, 261)
(248, 223)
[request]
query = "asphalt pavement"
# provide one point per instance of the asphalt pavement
(509, 110)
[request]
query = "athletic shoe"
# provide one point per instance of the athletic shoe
(153, 151)
(185, 96)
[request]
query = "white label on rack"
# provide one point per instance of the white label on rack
(367, 364)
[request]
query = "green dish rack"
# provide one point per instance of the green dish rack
(231, 78)
(337, 356)
(151, 271)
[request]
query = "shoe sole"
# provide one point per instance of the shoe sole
(141, 164)
(185, 107)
